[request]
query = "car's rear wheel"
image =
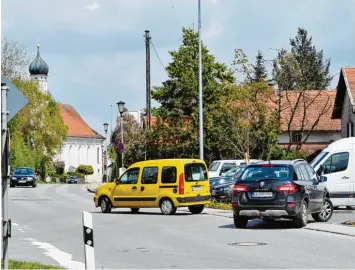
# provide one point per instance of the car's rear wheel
(105, 205)
(301, 219)
(196, 209)
(326, 213)
(240, 222)
(167, 207)
(135, 210)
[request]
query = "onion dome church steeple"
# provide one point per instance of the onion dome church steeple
(39, 72)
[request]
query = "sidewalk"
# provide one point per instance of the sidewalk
(335, 228)
(329, 227)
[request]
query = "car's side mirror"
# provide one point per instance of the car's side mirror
(323, 179)
(117, 181)
(320, 171)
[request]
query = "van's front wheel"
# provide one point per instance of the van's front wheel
(167, 207)
(196, 209)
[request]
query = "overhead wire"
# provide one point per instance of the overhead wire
(156, 53)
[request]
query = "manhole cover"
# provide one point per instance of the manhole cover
(247, 244)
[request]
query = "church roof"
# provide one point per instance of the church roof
(38, 66)
(77, 127)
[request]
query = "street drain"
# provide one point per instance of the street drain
(247, 244)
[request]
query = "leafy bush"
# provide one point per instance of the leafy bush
(85, 169)
(59, 167)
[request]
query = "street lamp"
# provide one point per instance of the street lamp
(120, 106)
(200, 96)
(106, 156)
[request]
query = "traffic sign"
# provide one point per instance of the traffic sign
(15, 98)
(121, 148)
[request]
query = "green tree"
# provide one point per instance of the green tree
(259, 69)
(303, 67)
(179, 99)
(38, 130)
(297, 71)
(85, 170)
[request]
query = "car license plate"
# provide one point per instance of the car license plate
(196, 188)
(22, 181)
(262, 194)
(213, 192)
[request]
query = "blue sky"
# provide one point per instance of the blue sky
(96, 52)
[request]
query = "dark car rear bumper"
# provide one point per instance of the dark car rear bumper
(271, 211)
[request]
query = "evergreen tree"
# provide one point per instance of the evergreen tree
(259, 69)
(179, 98)
(302, 68)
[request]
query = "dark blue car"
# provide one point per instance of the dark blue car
(73, 180)
(228, 177)
(23, 176)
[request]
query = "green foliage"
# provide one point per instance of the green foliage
(280, 153)
(15, 264)
(259, 69)
(37, 131)
(219, 205)
(303, 67)
(85, 169)
(178, 97)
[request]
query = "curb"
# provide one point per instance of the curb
(328, 231)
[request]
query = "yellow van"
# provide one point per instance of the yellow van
(166, 184)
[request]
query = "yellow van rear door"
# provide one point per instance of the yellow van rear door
(196, 179)
(149, 187)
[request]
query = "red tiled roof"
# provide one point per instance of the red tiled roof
(350, 76)
(77, 127)
(317, 102)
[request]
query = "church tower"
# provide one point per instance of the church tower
(39, 72)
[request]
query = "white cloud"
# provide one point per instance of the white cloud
(93, 6)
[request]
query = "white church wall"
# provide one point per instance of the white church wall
(87, 151)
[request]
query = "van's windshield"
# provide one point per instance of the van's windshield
(318, 159)
(195, 172)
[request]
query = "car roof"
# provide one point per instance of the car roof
(155, 161)
(279, 162)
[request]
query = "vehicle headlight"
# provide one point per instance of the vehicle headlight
(29, 178)
(13, 178)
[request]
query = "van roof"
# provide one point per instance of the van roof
(181, 160)
(343, 143)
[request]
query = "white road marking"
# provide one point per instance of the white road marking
(63, 258)
(13, 223)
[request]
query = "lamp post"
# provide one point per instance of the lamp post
(200, 96)
(106, 156)
(120, 106)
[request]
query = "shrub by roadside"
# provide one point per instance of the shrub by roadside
(14, 264)
(219, 205)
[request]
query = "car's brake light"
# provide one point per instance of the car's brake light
(181, 184)
(289, 188)
(267, 165)
(239, 188)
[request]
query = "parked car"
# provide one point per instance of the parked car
(281, 189)
(337, 163)
(23, 176)
(229, 176)
(218, 167)
(223, 193)
(73, 180)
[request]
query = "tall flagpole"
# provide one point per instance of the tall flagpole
(200, 81)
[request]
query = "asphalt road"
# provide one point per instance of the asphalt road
(47, 227)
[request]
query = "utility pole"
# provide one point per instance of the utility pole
(200, 80)
(147, 60)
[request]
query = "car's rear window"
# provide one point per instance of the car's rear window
(260, 172)
(195, 172)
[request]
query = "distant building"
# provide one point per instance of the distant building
(83, 144)
(344, 107)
